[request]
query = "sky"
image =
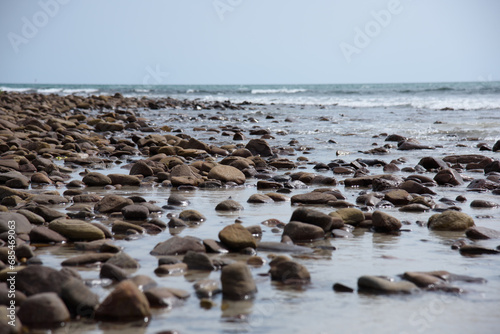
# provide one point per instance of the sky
(248, 41)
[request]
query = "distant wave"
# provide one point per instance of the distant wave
(11, 89)
(279, 91)
(49, 90)
(79, 90)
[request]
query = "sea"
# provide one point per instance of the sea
(320, 124)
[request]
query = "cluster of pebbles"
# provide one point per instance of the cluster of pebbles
(39, 132)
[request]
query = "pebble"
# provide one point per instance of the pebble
(125, 303)
(236, 237)
(450, 220)
(229, 205)
(237, 282)
(43, 310)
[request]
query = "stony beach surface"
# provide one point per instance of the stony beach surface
(76, 177)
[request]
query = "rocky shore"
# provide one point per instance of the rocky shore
(54, 155)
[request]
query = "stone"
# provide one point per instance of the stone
(36, 279)
(143, 282)
(478, 232)
(108, 126)
(125, 303)
(207, 288)
(177, 200)
(161, 298)
(339, 233)
(79, 299)
(350, 216)
(32, 217)
(178, 246)
(236, 237)
(479, 203)
(237, 282)
(383, 222)
(314, 197)
(259, 147)
(339, 287)
(124, 179)
(288, 272)
(422, 280)
(176, 222)
(5, 317)
(43, 310)
(448, 176)
(278, 197)
(198, 261)
(45, 199)
(135, 212)
(432, 163)
(86, 259)
(303, 232)
(47, 213)
(40, 178)
(414, 187)
(112, 203)
(22, 225)
(318, 218)
(76, 230)
(227, 174)
(112, 272)
(192, 216)
(120, 227)
(415, 207)
(496, 146)
(124, 261)
(229, 205)
(280, 247)
(171, 269)
(141, 168)
(477, 250)
(398, 197)
(382, 285)
(450, 220)
(94, 179)
(259, 198)
(214, 246)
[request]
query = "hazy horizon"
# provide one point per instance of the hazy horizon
(240, 42)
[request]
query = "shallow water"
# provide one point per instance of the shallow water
(316, 308)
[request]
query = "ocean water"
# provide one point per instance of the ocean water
(329, 122)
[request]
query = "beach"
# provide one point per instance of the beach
(368, 165)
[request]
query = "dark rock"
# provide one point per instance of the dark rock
(192, 216)
(171, 269)
(432, 163)
(207, 288)
(124, 261)
(229, 205)
(259, 147)
(416, 188)
(259, 198)
(124, 179)
(382, 285)
(318, 218)
(112, 203)
(86, 259)
(177, 200)
(477, 232)
(135, 212)
(237, 282)
(448, 177)
(79, 299)
(398, 197)
(477, 250)
(287, 271)
(383, 222)
(43, 310)
(303, 232)
(76, 230)
(236, 237)
(141, 168)
(339, 287)
(198, 261)
(94, 179)
(227, 174)
(479, 203)
(161, 297)
(350, 216)
(112, 272)
(125, 303)
(178, 246)
(314, 197)
(22, 225)
(37, 279)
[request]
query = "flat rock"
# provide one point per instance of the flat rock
(259, 198)
(314, 197)
(177, 200)
(43, 310)
(477, 232)
(236, 237)
(477, 250)
(198, 261)
(171, 269)
(22, 225)
(318, 218)
(124, 261)
(237, 282)
(414, 187)
(382, 285)
(86, 259)
(303, 232)
(124, 179)
(112, 272)
(178, 246)
(450, 220)
(160, 297)
(135, 212)
(44, 199)
(350, 216)
(125, 303)
(32, 217)
(398, 197)
(207, 288)
(112, 203)
(94, 179)
(76, 230)
(42, 234)
(478, 203)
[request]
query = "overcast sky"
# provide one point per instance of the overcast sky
(248, 41)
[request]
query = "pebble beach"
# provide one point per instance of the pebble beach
(154, 214)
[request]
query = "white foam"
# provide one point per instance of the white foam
(80, 90)
(49, 90)
(10, 89)
(279, 91)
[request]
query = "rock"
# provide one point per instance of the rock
(395, 138)
(432, 163)
(86, 259)
(37, 279)
(143, 282)
(288, 272)
(43, 310)
(227, 174)
(135, 212)
(416, 188)
(339, 287)
(338, 233)
(398, 197)
(198, 261)
(236, 237)
(278, 197)
(383, 222)
(177, 200)
(141, 168)
(40, 178)
(176, 222)
(47, 213)
(7, 316)
(229, 205)
(448, 176)
(22, 225)
(415, 207)
(124, 261)
(482, 184)
(303, 232)
(120, 227)
(76, 230)
(493, 166)
(125, 303)
(94, 179)
(213, 246)
(32, 217)
(112, 203)
(412, 145)
(479, 203)
(192, 216)
(450, 220)
(161, 297)
(496, 147)
(382, 285)
(79, 299)
(124, 179)
(477, 250)
(259, 198)
(237, 282)
(44, 199)
(259, 147)
(477, 232)
(171, 269)
(314, 197)
(178, 246)
(422, 280)
(108, 126)
(112, 272)
(350, 216)
(279, 247)
(207, 288)
(318, 218)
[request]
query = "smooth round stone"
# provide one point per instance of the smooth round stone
(450, 220)
(382, 285)
(76, 230)
(229, 205)
(303, 232)
(236, 237)
(135, 212)
(237, 282)
(177, 200)
(94, 179)
(125, 303)
(43, 309)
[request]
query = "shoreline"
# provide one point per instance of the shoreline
(80, 204)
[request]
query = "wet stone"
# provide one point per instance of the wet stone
(236, 237)
(237, 282)
(229, 205)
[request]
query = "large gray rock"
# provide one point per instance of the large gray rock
(259, 147)
(112, 203)
(79, 299)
